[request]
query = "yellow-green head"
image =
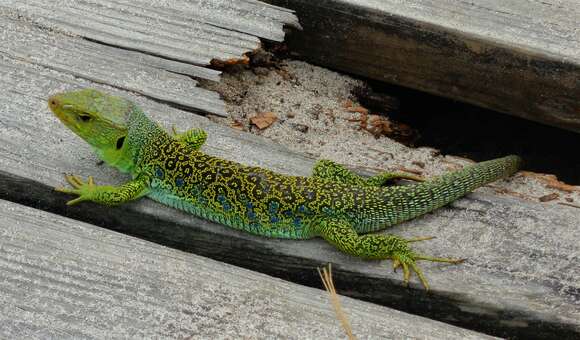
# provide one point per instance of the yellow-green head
(100, 119)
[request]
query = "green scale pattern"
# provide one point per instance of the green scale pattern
(334, 203)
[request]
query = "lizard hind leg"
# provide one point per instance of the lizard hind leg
(329, 170)
(193, 137)
(342, 235)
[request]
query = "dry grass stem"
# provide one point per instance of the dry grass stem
(326, 276)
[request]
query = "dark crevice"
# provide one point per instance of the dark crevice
(468, 131)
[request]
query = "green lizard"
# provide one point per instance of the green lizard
(334, 203)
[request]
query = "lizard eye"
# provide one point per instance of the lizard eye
(120, 142)
(85, 117)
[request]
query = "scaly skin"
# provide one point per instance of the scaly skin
(334, 203)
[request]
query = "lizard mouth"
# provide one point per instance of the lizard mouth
(53, 103)
(58, 109)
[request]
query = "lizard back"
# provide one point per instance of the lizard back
(253, 199)
(266, 203)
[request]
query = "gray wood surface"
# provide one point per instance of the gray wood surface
(64, 279)
(520, 279)
(151, 76)
(521, 57)
(152, 48)
(192, 31)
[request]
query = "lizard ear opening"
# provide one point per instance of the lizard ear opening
(120, 142)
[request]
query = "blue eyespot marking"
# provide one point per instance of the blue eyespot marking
(297, 222)
(179, 182)
(273, 207)
(274, 219)
(302, 208)
(224, 202)
(158, 172)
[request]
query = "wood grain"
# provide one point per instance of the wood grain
(152, 48)
(190, 31)
(150, 76)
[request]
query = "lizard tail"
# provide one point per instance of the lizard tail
(449, 187)
(401, 203)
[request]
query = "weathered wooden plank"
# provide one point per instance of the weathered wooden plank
(129, 70)
(520, 57)
(158, 44)
(248, 16)
(61, 278)
(523, 258)
(191, 31)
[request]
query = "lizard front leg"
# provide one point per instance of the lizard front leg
(341, 234)
(105, 194)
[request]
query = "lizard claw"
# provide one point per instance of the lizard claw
(65, 190)
(80, 188)
(407, 274)
(406, 259)
(76, 200)
(407, 262)
(396, 264)
(74, 180)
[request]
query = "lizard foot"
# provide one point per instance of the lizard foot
(407, 260)
(83, 189)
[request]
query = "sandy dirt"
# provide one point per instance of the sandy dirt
(312, 110)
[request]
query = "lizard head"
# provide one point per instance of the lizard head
(98, 118)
